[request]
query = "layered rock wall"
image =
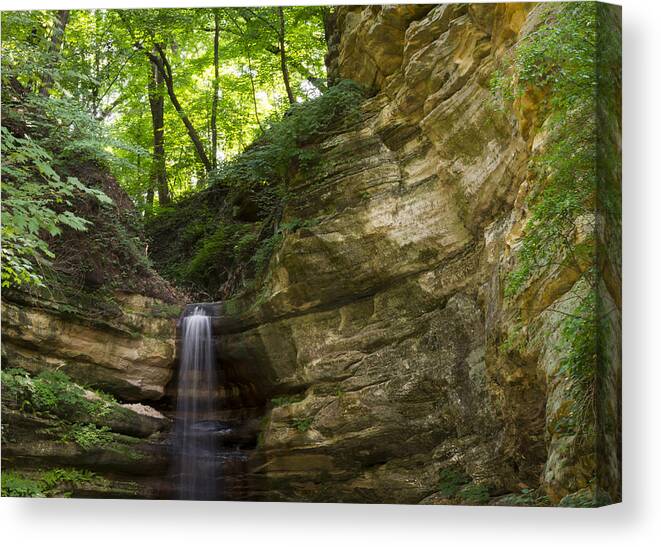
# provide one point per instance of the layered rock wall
(383, 320)
(57, 432)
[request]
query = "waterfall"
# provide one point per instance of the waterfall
(194, 438)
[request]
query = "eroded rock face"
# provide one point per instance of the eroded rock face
(100, 446)
(385, 317)
(130, 354)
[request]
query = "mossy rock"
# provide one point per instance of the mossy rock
(585, 498)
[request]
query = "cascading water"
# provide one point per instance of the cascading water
(194, 439)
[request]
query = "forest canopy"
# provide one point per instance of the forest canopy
(165, 100)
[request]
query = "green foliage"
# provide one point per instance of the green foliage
(43, 129)
(558, 60)
(451, 480)
(50, 392)
(579, 345)
(54, 478)
(302, 424)
(213, 252)
(473, 494)
(88, 436)
(33, 199)
(53, 482)
(222, 246)
(289, 142)
(250, 83)
(17, 486)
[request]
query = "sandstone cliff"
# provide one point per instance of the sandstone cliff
(381, 357)
(383, 324)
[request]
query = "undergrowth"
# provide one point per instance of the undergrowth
(216, 242)
(53, 482)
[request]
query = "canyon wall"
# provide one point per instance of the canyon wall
(380, 358)
(381, 330)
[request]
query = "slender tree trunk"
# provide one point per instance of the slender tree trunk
(149, 197)
(61, 20)
(158, 176)
(160, 61)
(254, 93)
(283, 55)
(149, 200)
(214, 104)
(165, 69)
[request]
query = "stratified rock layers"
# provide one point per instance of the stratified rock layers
(123, 344)
(384, 317)
(129, 354)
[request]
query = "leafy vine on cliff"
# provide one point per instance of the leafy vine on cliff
(565, 62)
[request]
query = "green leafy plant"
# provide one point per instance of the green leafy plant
(88, 436)
(558, 61)
(19, 486)
(33, 198)
(579, 346)
(473, 494)
(302, 424)
(53, 392)
(451, 480)
(52, 482)
(290, 141)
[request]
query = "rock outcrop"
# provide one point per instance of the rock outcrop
(381, 326)
(127, 349)
(60, 436)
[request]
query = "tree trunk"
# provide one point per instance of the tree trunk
(165, 70)
(158, 176)
(254, 93)
(61, 20)
(214, 104)
(283, 55)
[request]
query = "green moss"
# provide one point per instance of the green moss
(473, 494)
(451, 480)
(586, 497)
(167, 311)
(427, 255)
(263, 428)
(287, 399)
(302, 424)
